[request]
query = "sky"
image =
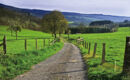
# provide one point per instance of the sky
(107, 7)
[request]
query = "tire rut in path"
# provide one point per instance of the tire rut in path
(67, 64)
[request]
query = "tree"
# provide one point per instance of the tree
(11, 26)
(16, 26)
(54, 23)
(63, 26)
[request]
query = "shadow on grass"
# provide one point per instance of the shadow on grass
(105, 77)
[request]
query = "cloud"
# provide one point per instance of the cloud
(111, 7)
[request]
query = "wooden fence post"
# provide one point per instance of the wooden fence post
(89, 48)
(126, 65)
(4, 45)
(103, 53)
(95, 47)
(25, 45)
(36, 44)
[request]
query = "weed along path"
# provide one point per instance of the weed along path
(67, 64)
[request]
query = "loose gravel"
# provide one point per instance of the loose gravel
(67, 64)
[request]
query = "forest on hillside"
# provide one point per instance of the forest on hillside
(27, 20)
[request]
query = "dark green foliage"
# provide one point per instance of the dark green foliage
(95, 27)
(54, 23)
(97, 23)
(27, 20)
(91, 30)
(82, 27)
(114, 52)
(126, 23)
(15, 26)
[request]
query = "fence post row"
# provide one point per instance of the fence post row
(95, 46)
(126, 65)
(103, 53)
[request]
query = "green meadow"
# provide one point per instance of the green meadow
(17, 60)
(115, 49)
(15, 46)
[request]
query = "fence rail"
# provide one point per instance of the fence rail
(4, 42)
(126, 64)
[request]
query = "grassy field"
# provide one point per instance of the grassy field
(30, 35)
(24, 34)
(17, 60)
(115, 48)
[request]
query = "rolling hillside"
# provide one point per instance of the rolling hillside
(71, 16)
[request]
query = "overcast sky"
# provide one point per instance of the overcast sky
(109, 7)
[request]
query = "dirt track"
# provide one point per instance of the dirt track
(67, 64)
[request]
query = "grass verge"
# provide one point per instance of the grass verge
(98, 71)
(16, 64)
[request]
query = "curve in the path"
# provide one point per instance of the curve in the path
(67, 64)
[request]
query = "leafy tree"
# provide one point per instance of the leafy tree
(16, 26)
(54, 23)
(63, 26)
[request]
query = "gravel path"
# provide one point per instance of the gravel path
(67, 64)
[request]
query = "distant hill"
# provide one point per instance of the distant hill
(76, 18)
